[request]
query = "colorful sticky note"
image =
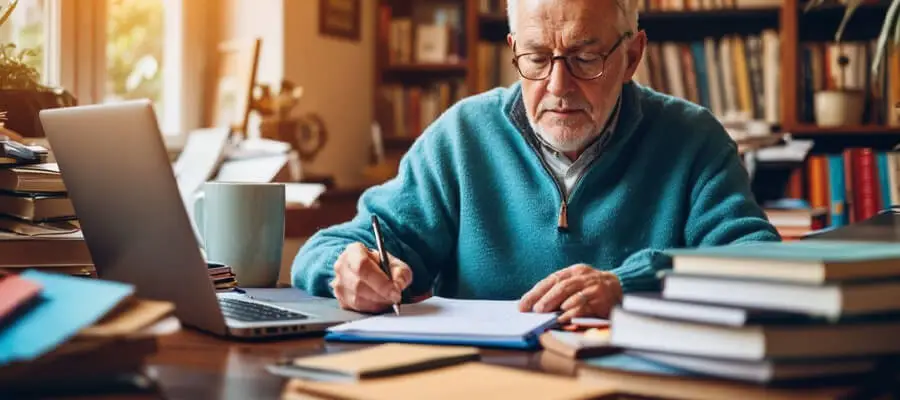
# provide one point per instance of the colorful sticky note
(66, 305)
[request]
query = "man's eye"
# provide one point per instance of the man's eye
(537, 58)
(588, 57)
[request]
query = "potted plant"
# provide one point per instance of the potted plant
(845, 105)
(22, 95)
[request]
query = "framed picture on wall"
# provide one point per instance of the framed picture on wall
(340, 18)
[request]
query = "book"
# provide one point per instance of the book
(755, 342)
(437, 320)
(765, 371)
(705, 312)
(15, 294)
(636, 377)
(67, 305)
(35, 178)
(806, 261)
(832, 301)
(376, 361)
(467, 380)
(591, 343)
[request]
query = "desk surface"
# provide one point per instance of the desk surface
(193, 365)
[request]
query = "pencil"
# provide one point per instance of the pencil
(385, 263)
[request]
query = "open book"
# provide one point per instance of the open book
(483, 323)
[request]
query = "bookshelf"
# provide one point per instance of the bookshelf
(793, 43)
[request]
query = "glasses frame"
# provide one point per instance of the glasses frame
(567, 60)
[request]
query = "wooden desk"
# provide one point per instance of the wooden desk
(193, 365)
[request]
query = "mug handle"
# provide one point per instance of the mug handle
(199, 200)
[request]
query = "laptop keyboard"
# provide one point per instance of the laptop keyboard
(255, 312)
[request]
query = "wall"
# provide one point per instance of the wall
(336, 74)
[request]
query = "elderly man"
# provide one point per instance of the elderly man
(559, 191)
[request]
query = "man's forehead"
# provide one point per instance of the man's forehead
(577, 20)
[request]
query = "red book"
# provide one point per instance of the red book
(866, 186)
(15, 292)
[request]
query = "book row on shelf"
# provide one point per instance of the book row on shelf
(427, 34)
(692, 5)
(821, 72)
(735, 77)
(852, 186)
(408, 109)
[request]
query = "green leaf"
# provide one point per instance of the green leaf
(852, 5)
(889, 21)
(812, 4)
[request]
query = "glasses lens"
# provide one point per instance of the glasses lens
(534, 66)
(586, 69)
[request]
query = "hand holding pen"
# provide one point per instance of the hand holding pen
(361, 283)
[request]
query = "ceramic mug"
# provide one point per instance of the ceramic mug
(242, 225)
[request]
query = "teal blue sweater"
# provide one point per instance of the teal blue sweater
(475, 213)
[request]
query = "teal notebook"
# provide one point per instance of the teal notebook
(810, 250)
(66, 305)
(481, 323)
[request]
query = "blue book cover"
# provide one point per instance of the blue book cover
(66, 305)
(837, 187)
(809, 250)
(699, 54)
(884, 179)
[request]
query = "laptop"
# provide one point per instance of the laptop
(120, 181)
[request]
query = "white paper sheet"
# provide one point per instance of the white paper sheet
(442, 317)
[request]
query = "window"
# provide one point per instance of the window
(113, 50)
(25, 30)
(137, 36)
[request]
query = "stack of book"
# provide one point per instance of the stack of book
(769, 313)
(54, 337)
(38, 226)
(222, 277)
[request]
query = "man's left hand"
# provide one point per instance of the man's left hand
(578, 291)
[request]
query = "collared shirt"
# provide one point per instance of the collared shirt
(566, 171)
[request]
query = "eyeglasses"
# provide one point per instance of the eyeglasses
(583, 65)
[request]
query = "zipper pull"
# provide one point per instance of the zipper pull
(563, 222)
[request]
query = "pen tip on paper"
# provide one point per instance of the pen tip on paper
(396, 309)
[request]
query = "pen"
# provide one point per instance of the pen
(385, 264)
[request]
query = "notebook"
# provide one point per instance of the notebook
(438, 320)
(377, 361)
(464, 381)
(66, 305)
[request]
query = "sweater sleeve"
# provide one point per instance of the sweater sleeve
(722, 211)
(418, 213)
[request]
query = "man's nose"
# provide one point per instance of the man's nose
(560, 80)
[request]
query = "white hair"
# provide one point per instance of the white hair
(628, 14)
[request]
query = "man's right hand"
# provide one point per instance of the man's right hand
(359, 283)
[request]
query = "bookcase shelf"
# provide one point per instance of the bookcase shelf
(684, 26)
(870, 129)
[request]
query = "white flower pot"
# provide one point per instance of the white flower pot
(839, 107)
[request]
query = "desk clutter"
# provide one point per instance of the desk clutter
(38, 226)
(410, 371)
(54, 337)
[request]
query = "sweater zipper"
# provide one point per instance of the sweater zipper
(562, 222)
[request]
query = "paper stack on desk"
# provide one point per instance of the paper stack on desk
(770, 312)
(440, 320)
(406, 371)
(61, 332)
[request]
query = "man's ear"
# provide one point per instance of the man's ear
(509, 39)
(634, 54)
